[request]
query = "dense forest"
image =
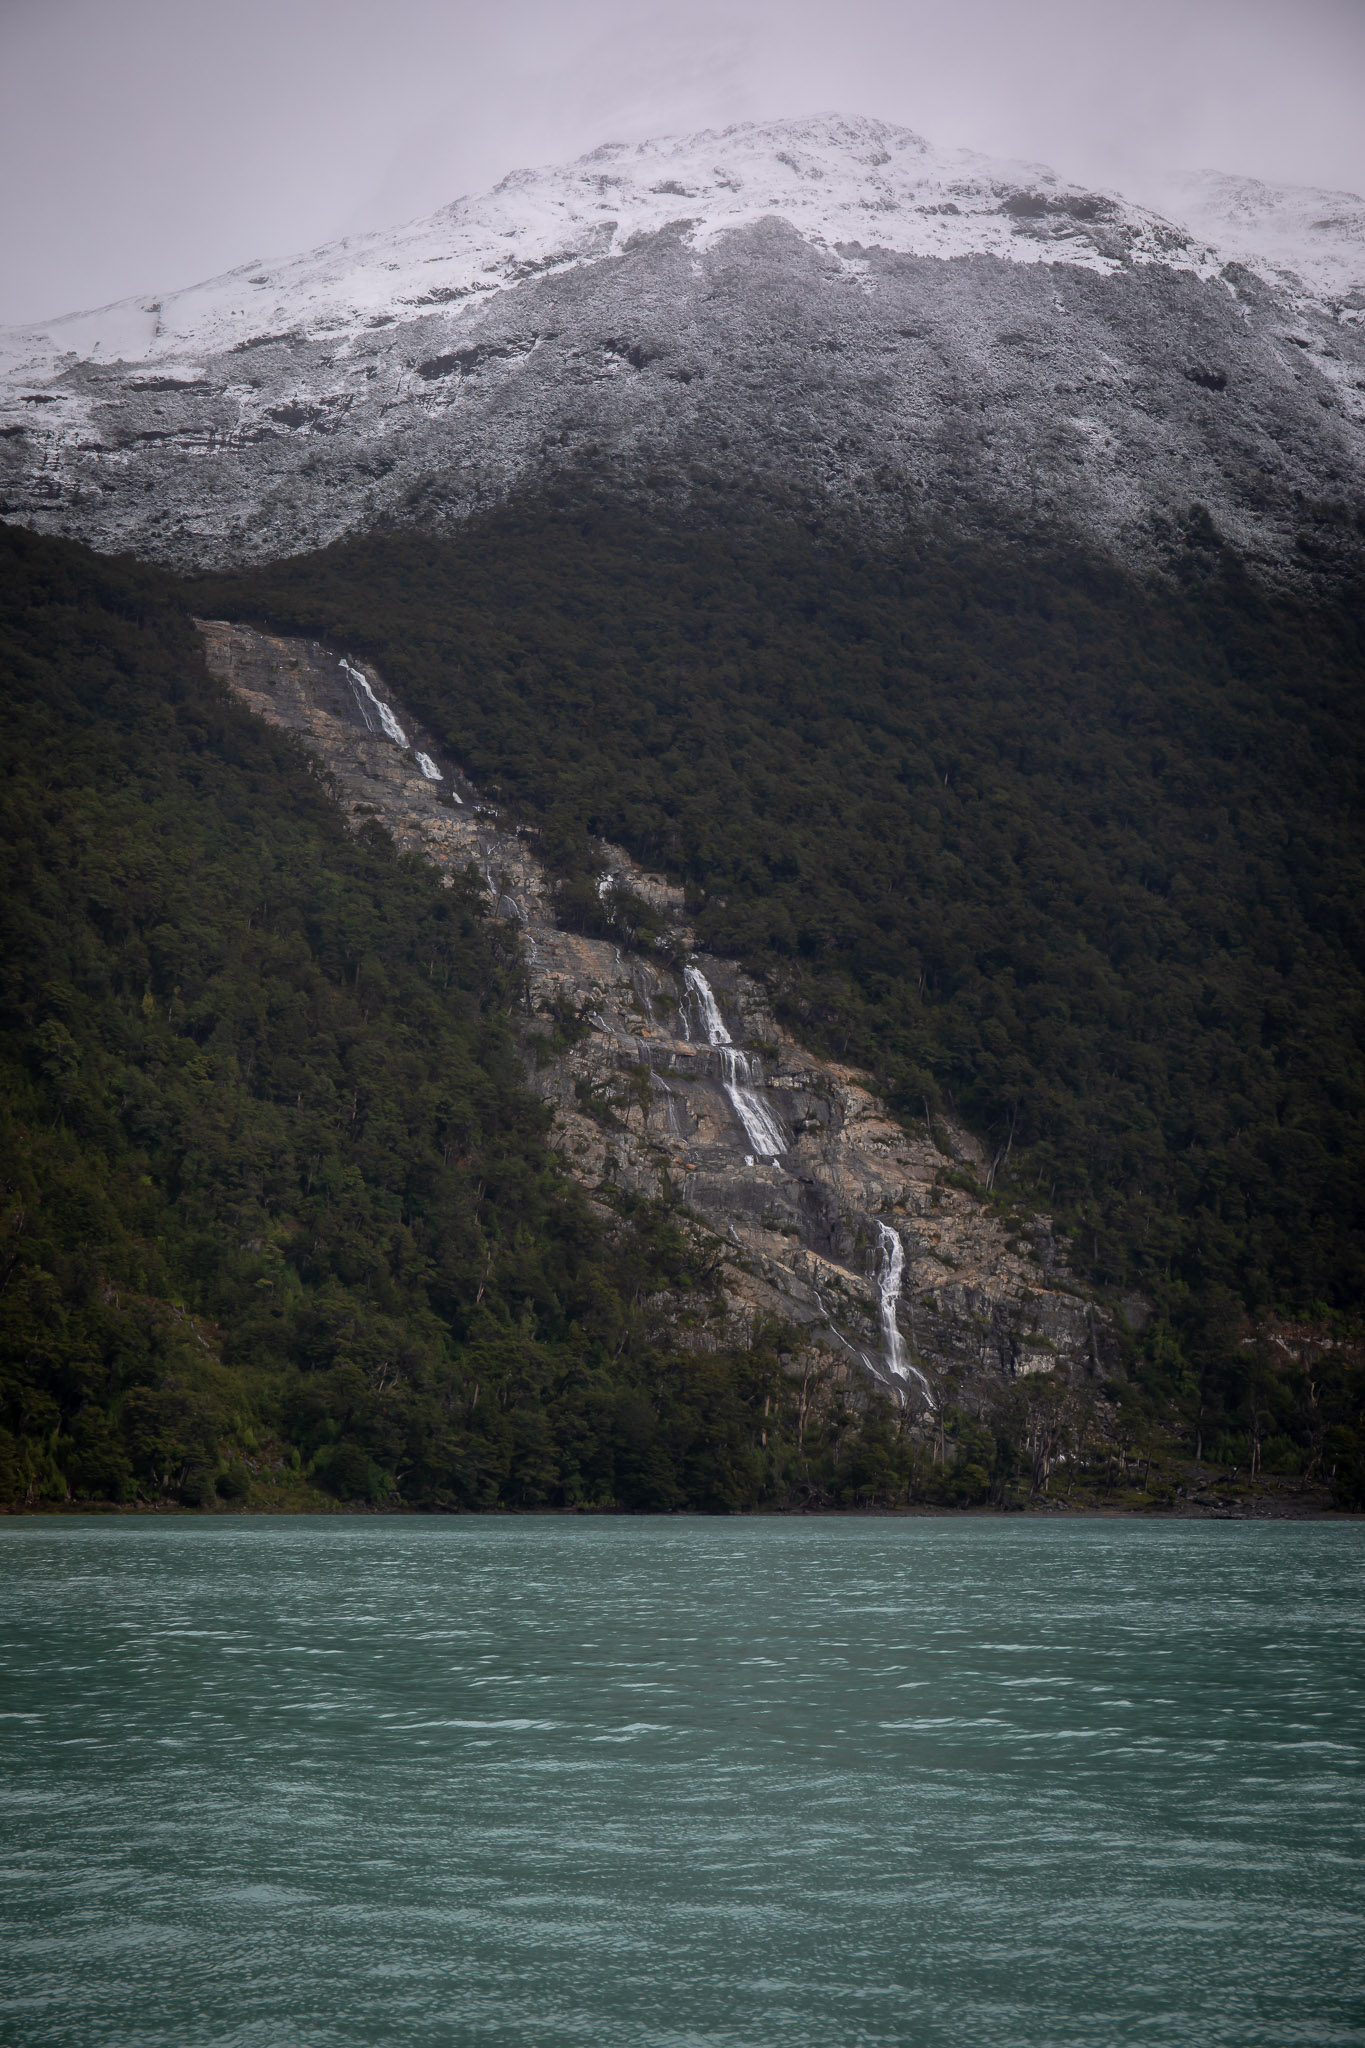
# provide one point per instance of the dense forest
(277, 1207)
(1069, 854)
(1075, 855)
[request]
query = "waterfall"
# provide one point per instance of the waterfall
(387, 722)
(676, 1117)
(890, 1269)
(370, 704)
(761, 1127)
(712, 1022)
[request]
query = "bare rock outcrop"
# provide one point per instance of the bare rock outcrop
(670, 1077)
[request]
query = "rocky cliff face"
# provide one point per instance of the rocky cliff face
(669, 1076)
(826, 312)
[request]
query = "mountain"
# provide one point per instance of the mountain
(801, 941)
(827, 315)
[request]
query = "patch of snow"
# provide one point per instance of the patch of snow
(1296, 234)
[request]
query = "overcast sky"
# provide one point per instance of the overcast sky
(145, 144)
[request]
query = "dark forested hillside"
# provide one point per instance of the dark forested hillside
(1076, 855)
(276, 1206)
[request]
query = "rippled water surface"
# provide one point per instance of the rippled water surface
(678, 1784)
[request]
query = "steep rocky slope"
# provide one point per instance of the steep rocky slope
(668, 1075)
(825, 312)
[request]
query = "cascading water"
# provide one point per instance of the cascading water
(890, 1268)
(379, 717)
(368, 703)
(761, 1127)
(890, 1271)
(678, 1123)
(713, 1024)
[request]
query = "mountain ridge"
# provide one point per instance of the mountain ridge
(938, 205)
(829, 308)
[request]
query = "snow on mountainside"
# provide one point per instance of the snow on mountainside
(809, 298)
(1297, 235)
(836, 181)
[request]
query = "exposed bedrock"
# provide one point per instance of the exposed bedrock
(678, 1081)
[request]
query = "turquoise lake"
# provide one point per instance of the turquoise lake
(681, 1783)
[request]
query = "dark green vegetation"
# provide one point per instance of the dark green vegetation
(1077, 858)
(277, 1208)
(1071, 856)
(1076, 855)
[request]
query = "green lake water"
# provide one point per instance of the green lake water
(681, 1783)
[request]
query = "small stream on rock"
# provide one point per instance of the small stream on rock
(737, 1078)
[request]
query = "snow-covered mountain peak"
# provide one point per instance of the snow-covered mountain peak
(842, 183)
(827, 308)
(837, 180)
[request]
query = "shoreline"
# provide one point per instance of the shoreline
(1157, 1511)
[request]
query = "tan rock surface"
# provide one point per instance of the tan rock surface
(641, 1100)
